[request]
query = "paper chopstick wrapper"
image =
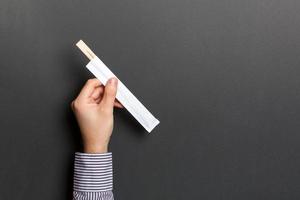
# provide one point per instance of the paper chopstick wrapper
(125, 97)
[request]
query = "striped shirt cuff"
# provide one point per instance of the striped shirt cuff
(93, 172)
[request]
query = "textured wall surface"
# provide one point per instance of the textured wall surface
(222, 76)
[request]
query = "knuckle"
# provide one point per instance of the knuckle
(76, 105)
(89, 81)
(92, 80)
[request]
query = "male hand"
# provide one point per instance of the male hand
(93, 109)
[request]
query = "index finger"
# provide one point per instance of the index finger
(88, 88)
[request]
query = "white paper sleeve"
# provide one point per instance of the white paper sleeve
(126, 98)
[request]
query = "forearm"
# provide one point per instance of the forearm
(93, 177)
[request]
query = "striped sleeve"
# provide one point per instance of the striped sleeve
(93, 177)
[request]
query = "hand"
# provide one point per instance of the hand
(93, 109)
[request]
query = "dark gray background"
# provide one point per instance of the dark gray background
(221, 75)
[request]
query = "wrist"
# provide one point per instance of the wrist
(95, 148)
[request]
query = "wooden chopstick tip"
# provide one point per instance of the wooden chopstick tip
(80, 44)
(85, 49)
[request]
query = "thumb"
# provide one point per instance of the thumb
(110, 92)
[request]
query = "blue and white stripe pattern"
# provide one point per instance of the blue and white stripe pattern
(93, 177)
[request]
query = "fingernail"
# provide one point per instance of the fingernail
(113, 81)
